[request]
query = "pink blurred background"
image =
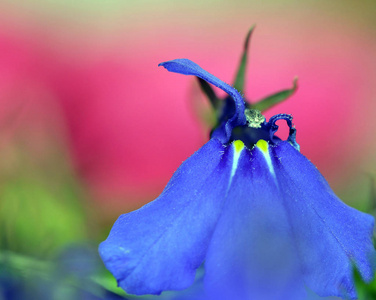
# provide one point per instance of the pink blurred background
(83, 78)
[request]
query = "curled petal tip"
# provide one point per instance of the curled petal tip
(187, 67)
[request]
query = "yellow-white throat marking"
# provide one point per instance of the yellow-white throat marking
(263, 146)
(238, 148)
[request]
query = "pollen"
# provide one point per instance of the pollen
(254, 118)
(262, 145)
(238, 145)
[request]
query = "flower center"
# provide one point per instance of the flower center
(258, 129)
(254, 117)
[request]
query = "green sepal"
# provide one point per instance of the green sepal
(209, 92)
(276, 98)
(240, 74)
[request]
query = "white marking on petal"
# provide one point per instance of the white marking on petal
(238, 147)
(263, 146)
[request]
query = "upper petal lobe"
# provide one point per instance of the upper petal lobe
(188, 67)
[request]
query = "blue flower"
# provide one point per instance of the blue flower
(253, 210)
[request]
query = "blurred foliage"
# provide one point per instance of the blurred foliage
(67, 276)
(365, 291)
(112, 13)
(44, 226)
(41, 208)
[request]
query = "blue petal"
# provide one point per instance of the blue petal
(283, 227)
(252, 254)
(188, 67)
(273, 128)
(160, 246)
(330, 236)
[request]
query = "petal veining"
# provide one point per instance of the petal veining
(251, 255)
(329, 235)
(160, 246)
